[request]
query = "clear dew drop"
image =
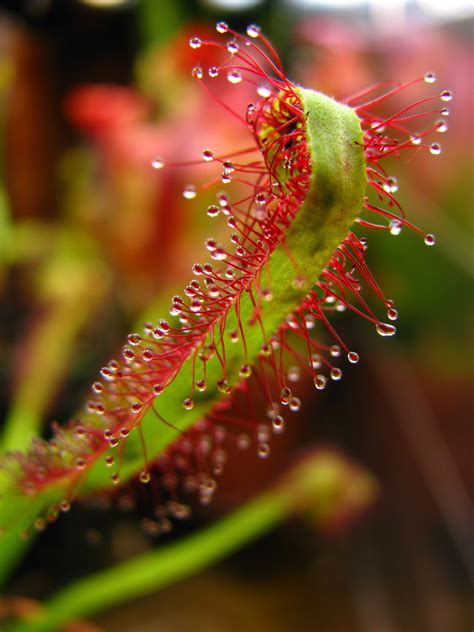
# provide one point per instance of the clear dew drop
(429, 77)
(395, 227)
(245, 371)
(336, 374)
(353, 357)
(446, 95)
(189, 192)
(335, 351)
(144, 477)
(263, 450)
(222, 27)
(415, 139)
(264, 91)
(232, 47)
(278, 424)
(207, 155)
(430, 240)
(213, 72)
(213, 210)
(234, 77)
(294, 404)
(188, 403)
(253, 31)
(392, 313)
(384, 329)
(158, 163)
(320, 382)
(197, 72)
(435, 149)
(441, 126)
(444, 112)
(195, 42)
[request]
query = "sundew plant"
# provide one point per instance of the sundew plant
(261, 313)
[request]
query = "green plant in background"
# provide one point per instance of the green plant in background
(187, 386)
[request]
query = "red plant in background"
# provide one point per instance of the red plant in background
(272, 176)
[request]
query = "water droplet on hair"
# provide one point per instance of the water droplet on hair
(253, 30)
(320, 382)
(144, 477)
(245, 371)
(197, 72)
(445, 112)
(234, 336)
(384, 329)
(207, 155)
(285, 395)
(234, 76)
(294, 374)
(429, 77)
(264, 91)
(224, 386)
(115, 478)
(415, 139)
(188, 403)
(213, 72)
(336, 374)
(64, 506)
(189, 192)
(243, 441)
(294, 404)
(265, 349)
(353, 357)
(446, 95)
(392, 313)
(335, 351)
(232, 47)
(441, 126)
(158, 163)
(395, 227)
(109, 461)
(263, 450)
(195, 42)
(278, 424)
(136, 408)
(201, 385)
(435, 149)
(430, 240)
(222, 27)
(213, 210)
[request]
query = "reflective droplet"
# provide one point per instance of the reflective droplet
(222, 27)
(336, 374)
(213, 210)
(395, 227)
(245, 371)
(234, 76)
(444, 112)
(441, 126)
(320, 382)
(384, 329)
(415, 139)
(144, 477)
(189, 192)
(392, 313)
(158, 163)
(188, 403)
(430, 240)
(201, 385)
(232, 47)
(207, 155)
(197, 72)
(278, 424)
(253, 30)
(435, 149)
(195, 42)
(335, 351)
(446, 95)
(213, 72)
(285, 395)
(263, 450)
(264, 91)
(353, 357)
(429, 77)
(294, 404)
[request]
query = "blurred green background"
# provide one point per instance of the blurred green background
(91, 237)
